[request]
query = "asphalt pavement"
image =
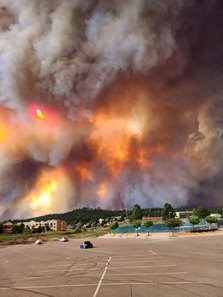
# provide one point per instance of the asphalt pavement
(136, 267)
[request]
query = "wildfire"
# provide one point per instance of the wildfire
(113, 136)
(41, 197)
(141, 159)
(102, 190)
(83, 171)
(3, 133)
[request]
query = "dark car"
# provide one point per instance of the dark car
(86, 245)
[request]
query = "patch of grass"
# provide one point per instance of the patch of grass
(51, 235)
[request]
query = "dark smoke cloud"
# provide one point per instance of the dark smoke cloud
(146, 73)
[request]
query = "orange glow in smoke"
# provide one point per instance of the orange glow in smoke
(41, 199)
(103, 189)
(83, 171)
(142, 161)
(3, 133)
(113, 136)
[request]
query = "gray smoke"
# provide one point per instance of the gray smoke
(152, 69)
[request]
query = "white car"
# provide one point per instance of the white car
(64, 239)
(38, 241)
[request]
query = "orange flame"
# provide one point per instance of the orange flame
(83, 171)
(41, 198)
(113, 136)
(102, 190)
(142, 161)
(3, 133)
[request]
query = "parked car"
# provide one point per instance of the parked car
(86, 245)
(38, 241)
(63, 239)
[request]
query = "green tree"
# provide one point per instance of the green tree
(114, 225)
(167, 212)
(194, 220)
(136, 224)
(47, 227)
(21, 228)
(201, 212)
(137, 213)
(27, 230)
(1, 228)
(78, 226)
(15, 229)
(211, 220)
(173, 223)
(148, 224)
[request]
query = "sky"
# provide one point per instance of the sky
(110, 103)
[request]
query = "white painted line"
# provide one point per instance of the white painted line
(125, 257)
(149, 273)
(151, 251)
(104, 284)
(42, 287)
(145, 266)
(28, 277)
(153, 283)
(110, 274)
(100, 281)
(3, 262)
(149, 261)
(77, 264)
(69, 270)
(111, 268)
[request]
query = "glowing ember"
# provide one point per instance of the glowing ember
(40, 114)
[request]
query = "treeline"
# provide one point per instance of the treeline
(92, 215)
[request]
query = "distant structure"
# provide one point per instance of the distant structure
(216, 215)
(55, 225)
(7, 227)
(184, 214)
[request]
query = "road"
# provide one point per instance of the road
(180, 267)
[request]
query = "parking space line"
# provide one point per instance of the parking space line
(110, 274)
(105, 284)
(46, 287)
(69, 270)
(148, 273)
(152, 283)
(152, 252)
(100, 268)
(103, 275)
(136, 261)
(144, 266)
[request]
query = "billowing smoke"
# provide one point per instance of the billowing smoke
(110, 103)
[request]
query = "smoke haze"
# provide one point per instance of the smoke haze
(109, 103)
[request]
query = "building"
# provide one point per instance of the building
(184, 214)
(216, 215)
(7, 227)
(55, 225)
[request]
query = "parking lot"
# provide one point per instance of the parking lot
(179, 267)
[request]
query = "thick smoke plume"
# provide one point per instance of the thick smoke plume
(110, 103)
